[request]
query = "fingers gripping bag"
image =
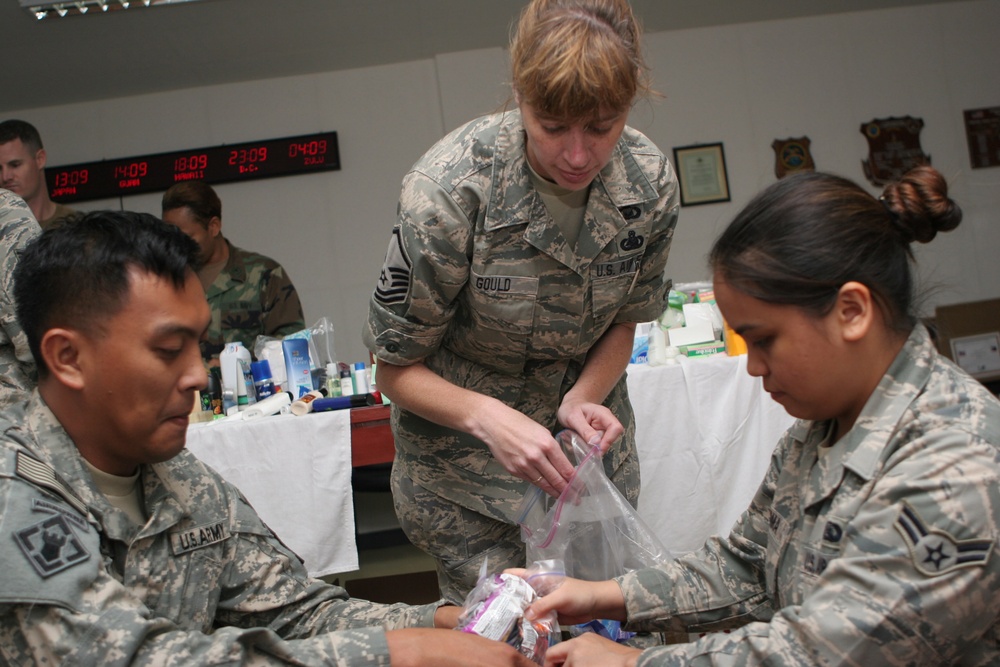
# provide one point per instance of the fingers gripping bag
(495, 609)
(591, 528)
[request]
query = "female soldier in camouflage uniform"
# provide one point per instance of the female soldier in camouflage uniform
(529, 244)
(870, 541)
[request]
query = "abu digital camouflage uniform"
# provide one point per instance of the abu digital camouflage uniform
(17, 366)
(480, 284)
(203, 582)
(878, 551)
(252, 296)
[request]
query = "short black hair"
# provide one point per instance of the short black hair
(19, 129)
(196, 196)
(76, 273)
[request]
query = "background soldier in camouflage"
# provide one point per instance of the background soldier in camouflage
(22, 171)
(118, 546)
(17, 368)
(528, 246)
(250, 295)
(871, 539)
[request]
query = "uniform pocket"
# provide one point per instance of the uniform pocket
(496, 324)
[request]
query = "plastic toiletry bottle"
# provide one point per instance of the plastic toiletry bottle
(245, 394)
(346, 386)
(332, 380)
(360, 376)
(303, 405)
(271, 405)
(657, 345)
(232, 375)
(263, 382)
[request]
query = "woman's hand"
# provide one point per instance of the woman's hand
(577, 601)
(524, 448)
(591, 650)
(593, 422)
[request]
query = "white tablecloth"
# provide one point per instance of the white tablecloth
(296, 472)
(705, 430)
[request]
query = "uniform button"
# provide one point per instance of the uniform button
(392, 347)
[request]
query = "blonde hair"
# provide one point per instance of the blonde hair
(576, 58)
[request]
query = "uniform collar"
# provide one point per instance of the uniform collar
(513, 200)
(862, 449)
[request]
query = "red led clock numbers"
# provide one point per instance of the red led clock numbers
(219, 164)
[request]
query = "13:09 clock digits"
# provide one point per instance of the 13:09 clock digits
(219, 164)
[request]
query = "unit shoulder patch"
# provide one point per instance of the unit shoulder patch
(51, 546)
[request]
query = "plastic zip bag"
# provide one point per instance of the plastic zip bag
(591, 528)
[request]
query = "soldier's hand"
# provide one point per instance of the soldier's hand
(525, 448)
(593, 422)
(577, 601)
(413, 647)
(591, 650)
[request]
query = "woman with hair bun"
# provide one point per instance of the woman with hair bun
(872, 539)
(529, 244)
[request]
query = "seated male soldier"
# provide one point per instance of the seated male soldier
(120, 547)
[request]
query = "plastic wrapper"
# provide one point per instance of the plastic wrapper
(495, 609)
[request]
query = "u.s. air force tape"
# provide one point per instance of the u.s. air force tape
(934, 551)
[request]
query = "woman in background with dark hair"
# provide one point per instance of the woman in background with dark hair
(871, 540)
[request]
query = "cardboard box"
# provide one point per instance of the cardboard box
(703, 349)
(970, 329)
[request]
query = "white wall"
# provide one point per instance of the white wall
(744, 85)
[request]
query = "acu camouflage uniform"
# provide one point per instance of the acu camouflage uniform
(480, 284)
(252, 296)
(17, 366)
(203, 582)
(878, 551)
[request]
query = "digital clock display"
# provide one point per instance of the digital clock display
(219, 164)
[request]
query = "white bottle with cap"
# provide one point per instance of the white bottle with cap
(360, 377)
(233, 381)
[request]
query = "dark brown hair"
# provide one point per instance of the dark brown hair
(801, 239)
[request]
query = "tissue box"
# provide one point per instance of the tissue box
(697, 326)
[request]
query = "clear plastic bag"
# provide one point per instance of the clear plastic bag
(495, 609)
(591, 528)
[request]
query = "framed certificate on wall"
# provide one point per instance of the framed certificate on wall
(701, 170)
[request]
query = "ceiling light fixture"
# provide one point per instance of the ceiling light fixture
(40, 9)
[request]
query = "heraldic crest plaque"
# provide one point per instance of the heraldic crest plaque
(792, 155)
(893, 148)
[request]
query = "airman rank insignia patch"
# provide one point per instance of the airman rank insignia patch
(936, 552)
(394, 281)
(51, 546)
(183, 541)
